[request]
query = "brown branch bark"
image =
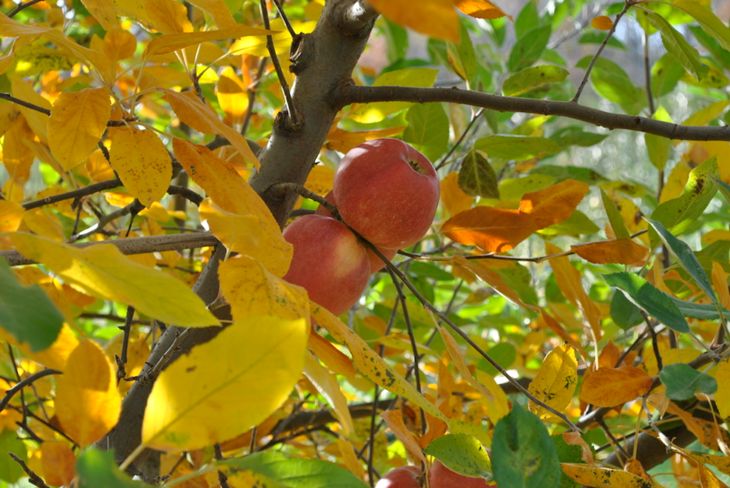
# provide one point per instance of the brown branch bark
(349, 94)
(322, 61)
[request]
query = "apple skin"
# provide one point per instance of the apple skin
(376, 264)
(442, 477)
(388, 192)
(329, 261)
(403, 477)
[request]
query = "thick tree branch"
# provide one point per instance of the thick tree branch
(348, 94)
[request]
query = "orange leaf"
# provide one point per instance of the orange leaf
(453, 198)
(499, 230)
(394, 419)
(343, 141)
(620, 251)
(608, 387)
(435, 18)
(602, 22)
(57, 462)
(480, 9)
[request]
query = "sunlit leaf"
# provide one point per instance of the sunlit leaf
(224, 387)
(57, 462)
(167, 43)
(327, 385)
(675, 43)
(435, 18)
(142, 162)
(620, 251)
(556, 381)
(523, 455)
(596, 477)
(608, 387)
(462, 454)
(104, 12)
(480, 9)
(87, 401)
(602, 22)
(219, 10)
(396, 424)
(453, 198)
(166, 16)
(531, 78)
(707, 19)
(103, 271)
(77, 123)
(614, 217)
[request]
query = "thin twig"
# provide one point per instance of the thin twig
(130, 209)
(654, 341)
(45, 111)
(23, 383)
(293, 115)
(122, 358)
(222, 478)
(647, 75)
(252, 92)
(283, 16)
(587, 74)
(33, 477)
(461, 138)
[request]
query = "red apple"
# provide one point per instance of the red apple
(403, 477)
(387, 191)
(329, 261)
(442, 477)
(376, 264)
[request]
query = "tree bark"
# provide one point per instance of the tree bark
(322, 61)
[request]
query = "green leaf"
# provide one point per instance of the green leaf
(461, 453)
(523, 455)
(477, 177)
(576, 136)
(530, 78)
(11, 471)
(675, 43)
(518, 148)
(653, 301)
(702, 311)
(529, 48)
(624, 313)
(683, 381)
(577, 224)
(612, 83)
(527, 20)
(687, 259)
(27, 312)
(659, 148)
(462, 55)
(614, 217)
(97, 468)
(724, 188)
(428, 129)
(707, 19)
(295, 472)
(665, 74)
(567, 453)
(698, 192)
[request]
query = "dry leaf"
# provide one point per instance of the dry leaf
(556, 381)
(609, 387)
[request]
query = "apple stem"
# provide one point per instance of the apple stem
(284, 188)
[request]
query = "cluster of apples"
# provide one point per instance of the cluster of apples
(439, 476)
(384, 190)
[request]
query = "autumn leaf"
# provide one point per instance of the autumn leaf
(394, 419)
(142, 162)
(435, 18)
(722, 396)
(453, 198)
(619, 251)
(57, 462)
(226, 386)
(77, 123)
(166, 16)
(556, 381)
(480, 9)
(327, 385)
(104, 12)
(219, 10)
(103, 271)
(168, 43)
(87, 400)
(609, 387)
(597, 477)
(602, 22)
(498, 230)
(343, 141)
(193, 112)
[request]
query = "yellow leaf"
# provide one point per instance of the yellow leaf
(335, 360)
(342, 140)
(620, 251)
(226, 386)
(193, 112)
(76, 124)
(103, 271)
(499, 230)
(720, 282)
(480, 9)
(163, 15)
(434, 18)
(104, 12)
(218, 10)
(602, 22)
(394, 419)
(87, 400)
(257, 236)
(722, 395)
(453, 198)
(58, 464)
(232, 94)
(11, 214)
(119, 44)
(720, 462)
(556, 381)
(370, 364)
(596, 477)
(36, 120)
(609, 387)
(17, 156)
(493, 397)
(327, 385)
(142, 162)
(57, 355)
(570, 283)
(251, 290)
(168, 43)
